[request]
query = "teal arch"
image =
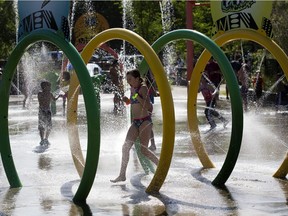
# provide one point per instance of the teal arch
(92, 106)
(236, 103)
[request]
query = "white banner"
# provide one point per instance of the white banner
(47, 14)
(231, 14)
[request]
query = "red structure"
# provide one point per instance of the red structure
(189, 25)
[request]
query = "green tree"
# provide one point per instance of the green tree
(280, 24)
(147, 20)
(8, 29)
(202, 22)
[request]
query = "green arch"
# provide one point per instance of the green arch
(237, 111)
(257, 36)
(91, 104)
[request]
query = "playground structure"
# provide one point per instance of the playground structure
(87, 169)
(168, 121)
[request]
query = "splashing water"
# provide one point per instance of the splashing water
(15, 4)
(72, 16)
(167, 17)
(270, 90)
(128, 23)
(262, 136)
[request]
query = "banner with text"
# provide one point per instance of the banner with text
(251, 14)
(46, 14)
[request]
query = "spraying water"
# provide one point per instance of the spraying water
(270, 90)
(128, 23)
(15, 3)
(72, 16)
(167, 16)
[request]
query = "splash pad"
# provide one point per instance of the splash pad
(221, 39)
(164, 200)
(94, 141)
(237, 112)
(87, 170)
(164, 89)
(90, 101)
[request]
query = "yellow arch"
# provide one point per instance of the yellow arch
(283, 169)
(164, 90)
(221, 39)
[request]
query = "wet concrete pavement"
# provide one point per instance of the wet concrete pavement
(50, 179)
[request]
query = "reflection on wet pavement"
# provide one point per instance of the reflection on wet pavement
(50, 179)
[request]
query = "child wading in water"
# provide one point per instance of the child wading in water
(44, 115)
(208, 93)
(141, 122)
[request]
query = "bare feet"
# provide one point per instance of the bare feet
(118, 179)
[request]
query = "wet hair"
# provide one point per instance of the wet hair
(45, 84)
(136, 74)
(66, 75)
(115, 61)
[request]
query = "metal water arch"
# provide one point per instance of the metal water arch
(91, 104)
(221, 39)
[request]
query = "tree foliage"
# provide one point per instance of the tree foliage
(148, 22)
(147, 19)
(8, 29)
(202, 22)
(280, 24)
